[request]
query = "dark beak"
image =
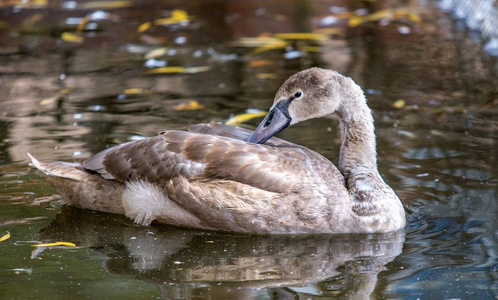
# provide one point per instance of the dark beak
(274, 122)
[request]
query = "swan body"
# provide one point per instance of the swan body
(225, 178)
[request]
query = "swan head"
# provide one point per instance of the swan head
(309, 94)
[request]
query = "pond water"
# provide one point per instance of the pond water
(79, 76)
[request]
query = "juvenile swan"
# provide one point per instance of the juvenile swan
(224, 178)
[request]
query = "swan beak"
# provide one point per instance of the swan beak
(274, 122)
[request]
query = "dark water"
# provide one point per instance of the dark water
(68, 92)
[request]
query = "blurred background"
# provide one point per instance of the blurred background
(79, 76)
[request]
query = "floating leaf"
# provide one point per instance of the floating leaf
(261, 63)
(5, 237)
(311, 48)
(301, 36)
(23, 270)
(158, 52)
(191, 105)
(266, 75)
(133, 91)
(390, 14)
(400, 103)
(24, 4)
(51, 100)
(177, 16)
(238, 119)
(55, 244)
(144, 27)
(255, 41)
(166, 70)
(81, 25)
(335, 30)
(104, 4)
(274, 44)
(71, 37)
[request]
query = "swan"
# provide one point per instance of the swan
(225, 178)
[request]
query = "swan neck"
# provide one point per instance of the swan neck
(357, 136)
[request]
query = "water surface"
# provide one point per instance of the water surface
(79, 76)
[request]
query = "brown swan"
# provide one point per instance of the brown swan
(220, 177)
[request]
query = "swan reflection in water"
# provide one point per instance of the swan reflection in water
(188, 264)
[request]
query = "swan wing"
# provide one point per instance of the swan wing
(200, 156)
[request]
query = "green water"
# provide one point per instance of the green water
(434, 96)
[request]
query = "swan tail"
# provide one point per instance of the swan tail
(81, 188)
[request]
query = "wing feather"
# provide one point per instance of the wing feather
(237, 133)
(200, 155)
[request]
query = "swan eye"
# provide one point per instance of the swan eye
(298, 94)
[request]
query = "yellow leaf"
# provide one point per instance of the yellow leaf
(104, 4)
(415, 18)
(55, 244)
(179, 14)
(355, 21)
(381, 14)
(81, 25)
(5, 237)
(167, 70)
(165, 21)
(144, 27)
(156, 53)
(255, 41)
(400, 103)
(310, 48)
(300, 36)
(191, 105)
(266, 75)
(278, 44)
(71, 37)
(235, 120)
(261, 63)
(133, 91)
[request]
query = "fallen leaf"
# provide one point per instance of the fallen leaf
(104, 4)
(310, 48)
(238, 119)
(133, 91)
(261, 63)
(81, 25)
(167, 70)
(191, 105)
(400, 103)
(55, 244)
(155, 53)
(5, 237)
(274, 44)
(51, 100)
(390, 14)
(71, 37)
(23, 270)
(266, 75)
(259, 41)
(177, 16)
(301, 36)
(144, 27)
(24, 4)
